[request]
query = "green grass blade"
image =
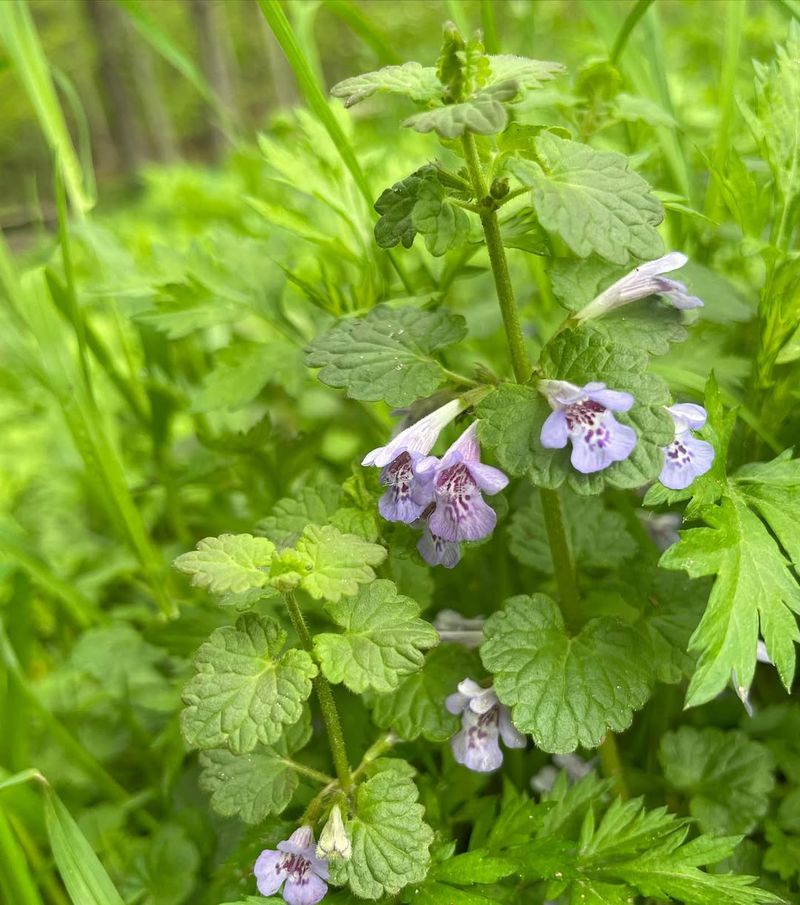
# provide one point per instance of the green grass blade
(163, 45)
(84, 876)
(16, 880)
(631, 20)
(18, 778)
(489, 27)
(18, 34)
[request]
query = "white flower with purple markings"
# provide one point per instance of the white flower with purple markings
(296, 867)
(646, 279)
(583, 416)
(686, 457)
(484, 721)
(406, 467)
(458, 483)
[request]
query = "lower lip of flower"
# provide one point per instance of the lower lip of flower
(456, 485)
(585, 419)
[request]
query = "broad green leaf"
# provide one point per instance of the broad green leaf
(84, 876)
(593, 201)
(483, 114)
(386, 355)
(587, 520)
(416, 82)
(382, 643)
(418, 204)
(246, 690)
(389, 835)
(527, 73)
(727, 777)
(164, 867)
(565, 690)
(335, 564)
(417, 708)
(290, 515)
(228, 563)
(754, 589)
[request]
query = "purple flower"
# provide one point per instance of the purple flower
(296, 865)
(484, 721)
(407, 469)
(460, 512)
(583, 416)
(436, 551)
(644, 280)
(686, 458)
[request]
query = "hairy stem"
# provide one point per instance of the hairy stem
(310, 772)
(611, 764)
(330, 714)
(561, 551)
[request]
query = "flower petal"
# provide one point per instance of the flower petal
(419, 437)
(509, 732)
(438, 552)
(613, 400)
(490, 480)
(268, 872)
(688, 416)
(554, 432)
(477, 745)
(308, 891)
(456, 702)
(685, 459)
(594, 449)
(397, 506)
(463, 518)
(465, 449)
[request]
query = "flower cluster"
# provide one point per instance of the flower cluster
(442, 496)
(484, 721)
(295, 866)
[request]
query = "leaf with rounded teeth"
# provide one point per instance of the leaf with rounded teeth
(230, 563)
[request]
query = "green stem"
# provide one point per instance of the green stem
(330, 714)
(611, 764)
(520, 360)
(561, 551)
(310, 772)
(376, 749)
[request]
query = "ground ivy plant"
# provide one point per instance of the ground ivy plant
(560, 444)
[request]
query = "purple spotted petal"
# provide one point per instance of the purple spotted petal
(489, 479)
(512, 738)
(688, 416)
(613, 400)
(477, 746)
(438, 552)
(554, 433)
(685, 459)
(407, 493)
(461, 515)
(601, 443)
(465, 449)
(398, 506)
(269, 873)
(306, 890)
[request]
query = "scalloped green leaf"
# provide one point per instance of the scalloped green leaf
(230, 563)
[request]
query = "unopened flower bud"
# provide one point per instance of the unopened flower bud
(333, 840)
(499, 189)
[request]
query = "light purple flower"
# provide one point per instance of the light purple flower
(460, 512)
(686, 458)
(484, 722)
(295, 865)
(407, 469)
(583, 416)
(644, 280)
(436, 551)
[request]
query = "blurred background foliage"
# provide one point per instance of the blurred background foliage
(152, 390)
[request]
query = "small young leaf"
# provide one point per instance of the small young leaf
(565, 690)
(727, 777)
(230, 563)
(386, 355)
(389, 836)
(483, 114)
(593, 201)
(419, 83)
(290, 515)
(246, 691)
(335, 564)
(417, 708)
(382, 643)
